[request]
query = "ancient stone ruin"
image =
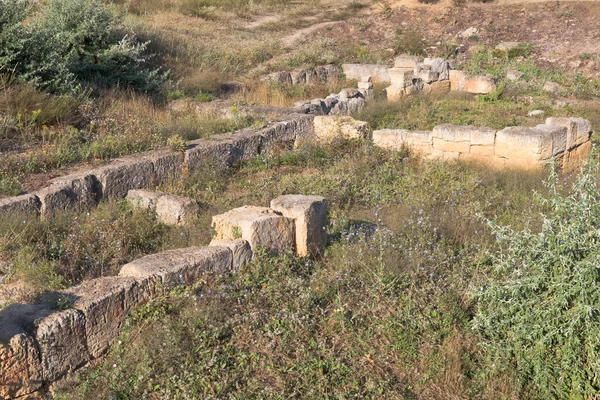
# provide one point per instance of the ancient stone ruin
(40, 343)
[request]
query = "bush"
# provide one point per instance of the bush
(540, 315)
(70, 44)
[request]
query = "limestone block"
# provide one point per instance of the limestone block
(260, 226)
(451, 146)
(166, 165)
(20, 367)
(559, 137)
(479, 84)
(576, 156)
(27, 204)
(310, 217)
(457, 80)
(240, 249)
(202, 152)
(457, 133)
(365, 85)
(529, 144)
(507, 46)
(366, 79)
(484, 159)
(76, 192)
(143, 198)
(105, 303)
(378, 73)
(328, 127)
(356, 105)
(437, 87)
(401, 77)
(123, 175)
(349, 93)
(311, 77)
(281, 78)
(62, 341)
(578, 129)
(440, 66)
(298, 77)
(439, 155)
(406, 61)
(427, 76)
(285, 131)
(176, 210)
(395, 93)
(185, 266)
(418, 141)
(327, 73)
(240, 146)
(482, 150)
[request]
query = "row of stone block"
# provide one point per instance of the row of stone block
(565, 140)
(84, 189)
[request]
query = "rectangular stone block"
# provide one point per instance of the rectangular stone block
(449, 146)
(577, 156)
(329, 127)
(428, 76)
(418, 141)
(77, 192)
(178, 266)
(559, 137)
(406, 61)
(62, 340)
(310, 217)
(176, 210)
(105, 303)
(395, 92)
(209, 152)
(260, 226)
(457, 80)
(578, 129)
(124, 174)
(401, 77)
(487, 160)
(240, 249)
(529, 144)
(144, 198)
(457, 133)
(166, 165)
(378, 73)
(479, 85)
(27, 204)
(482, 150)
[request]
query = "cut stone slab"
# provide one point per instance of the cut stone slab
(406, 61)
(427, 76)
(176, 210)
(395, 93)
(77, 192)
(166, 165)
(105, 303)
(378, 73)
(559, 137)
(457, 80)
(576, 156)
(479, 84)
(578, 129)
(440, 66)
(529, 144)
(240, 248)
(27, 204)
(143, 198)
(437, 87)
(457, 133)
(328, 127)
(62, 340)
(396, 139)
(401, 77)
(123, 175)
(260, 226)
(310, 217)
(180, 266)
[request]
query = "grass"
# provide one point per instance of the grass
(385, 314)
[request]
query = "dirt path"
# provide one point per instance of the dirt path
(289, 40)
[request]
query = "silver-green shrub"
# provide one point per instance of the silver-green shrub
(540, 312)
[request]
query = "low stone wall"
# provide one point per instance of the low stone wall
(565, 141)
(40, 343)
(83, 190)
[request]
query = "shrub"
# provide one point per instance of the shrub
(540, 315)
(70, 44)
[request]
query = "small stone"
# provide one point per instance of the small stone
(535, 113)
(513, 75)
(553, 87)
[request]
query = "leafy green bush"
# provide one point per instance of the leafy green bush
(540, 315)
(70, 44)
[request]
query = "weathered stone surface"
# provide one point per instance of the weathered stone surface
(479, 84)
(559, 137)
(281, 78)
(62, 340)
(485, 159)
(437, 87)
(27, 204)
(123, 175)
(440, 66)
(310, 217)
(328, 127)
(406, 61)
(298, 77)
(260, 226)
(427, 76)
(378, 73)
(576, 156)
(418, 141)
(365, 85)
(366, 79)
(166, 165)
(72, 192)
(180, 265)
(395, 93)
(20, 367)
(240, 248)
(482, 150)
(143, 198)
(356, 105)
(327, 73)
(105, 303)
(578, 129)
(457, 80)
(176, 210)
(528, 144)
(401, 77)
(214, 151)
(456, 133)
(451, 146)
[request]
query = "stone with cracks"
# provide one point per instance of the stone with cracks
(328, 127)
(396, 139)
(27, 204)
(401, 77)
(559, 137)
(457, 80)
(310, 217)
(440, 66)
(528, 144)
(578, 129)
(260, 226)
(240, 249)
(377, 72)
(77, 192)
(479, 84)
(166, 165)
(124, 174)
(176, 210)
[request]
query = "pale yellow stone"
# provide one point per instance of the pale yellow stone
(452, 147)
